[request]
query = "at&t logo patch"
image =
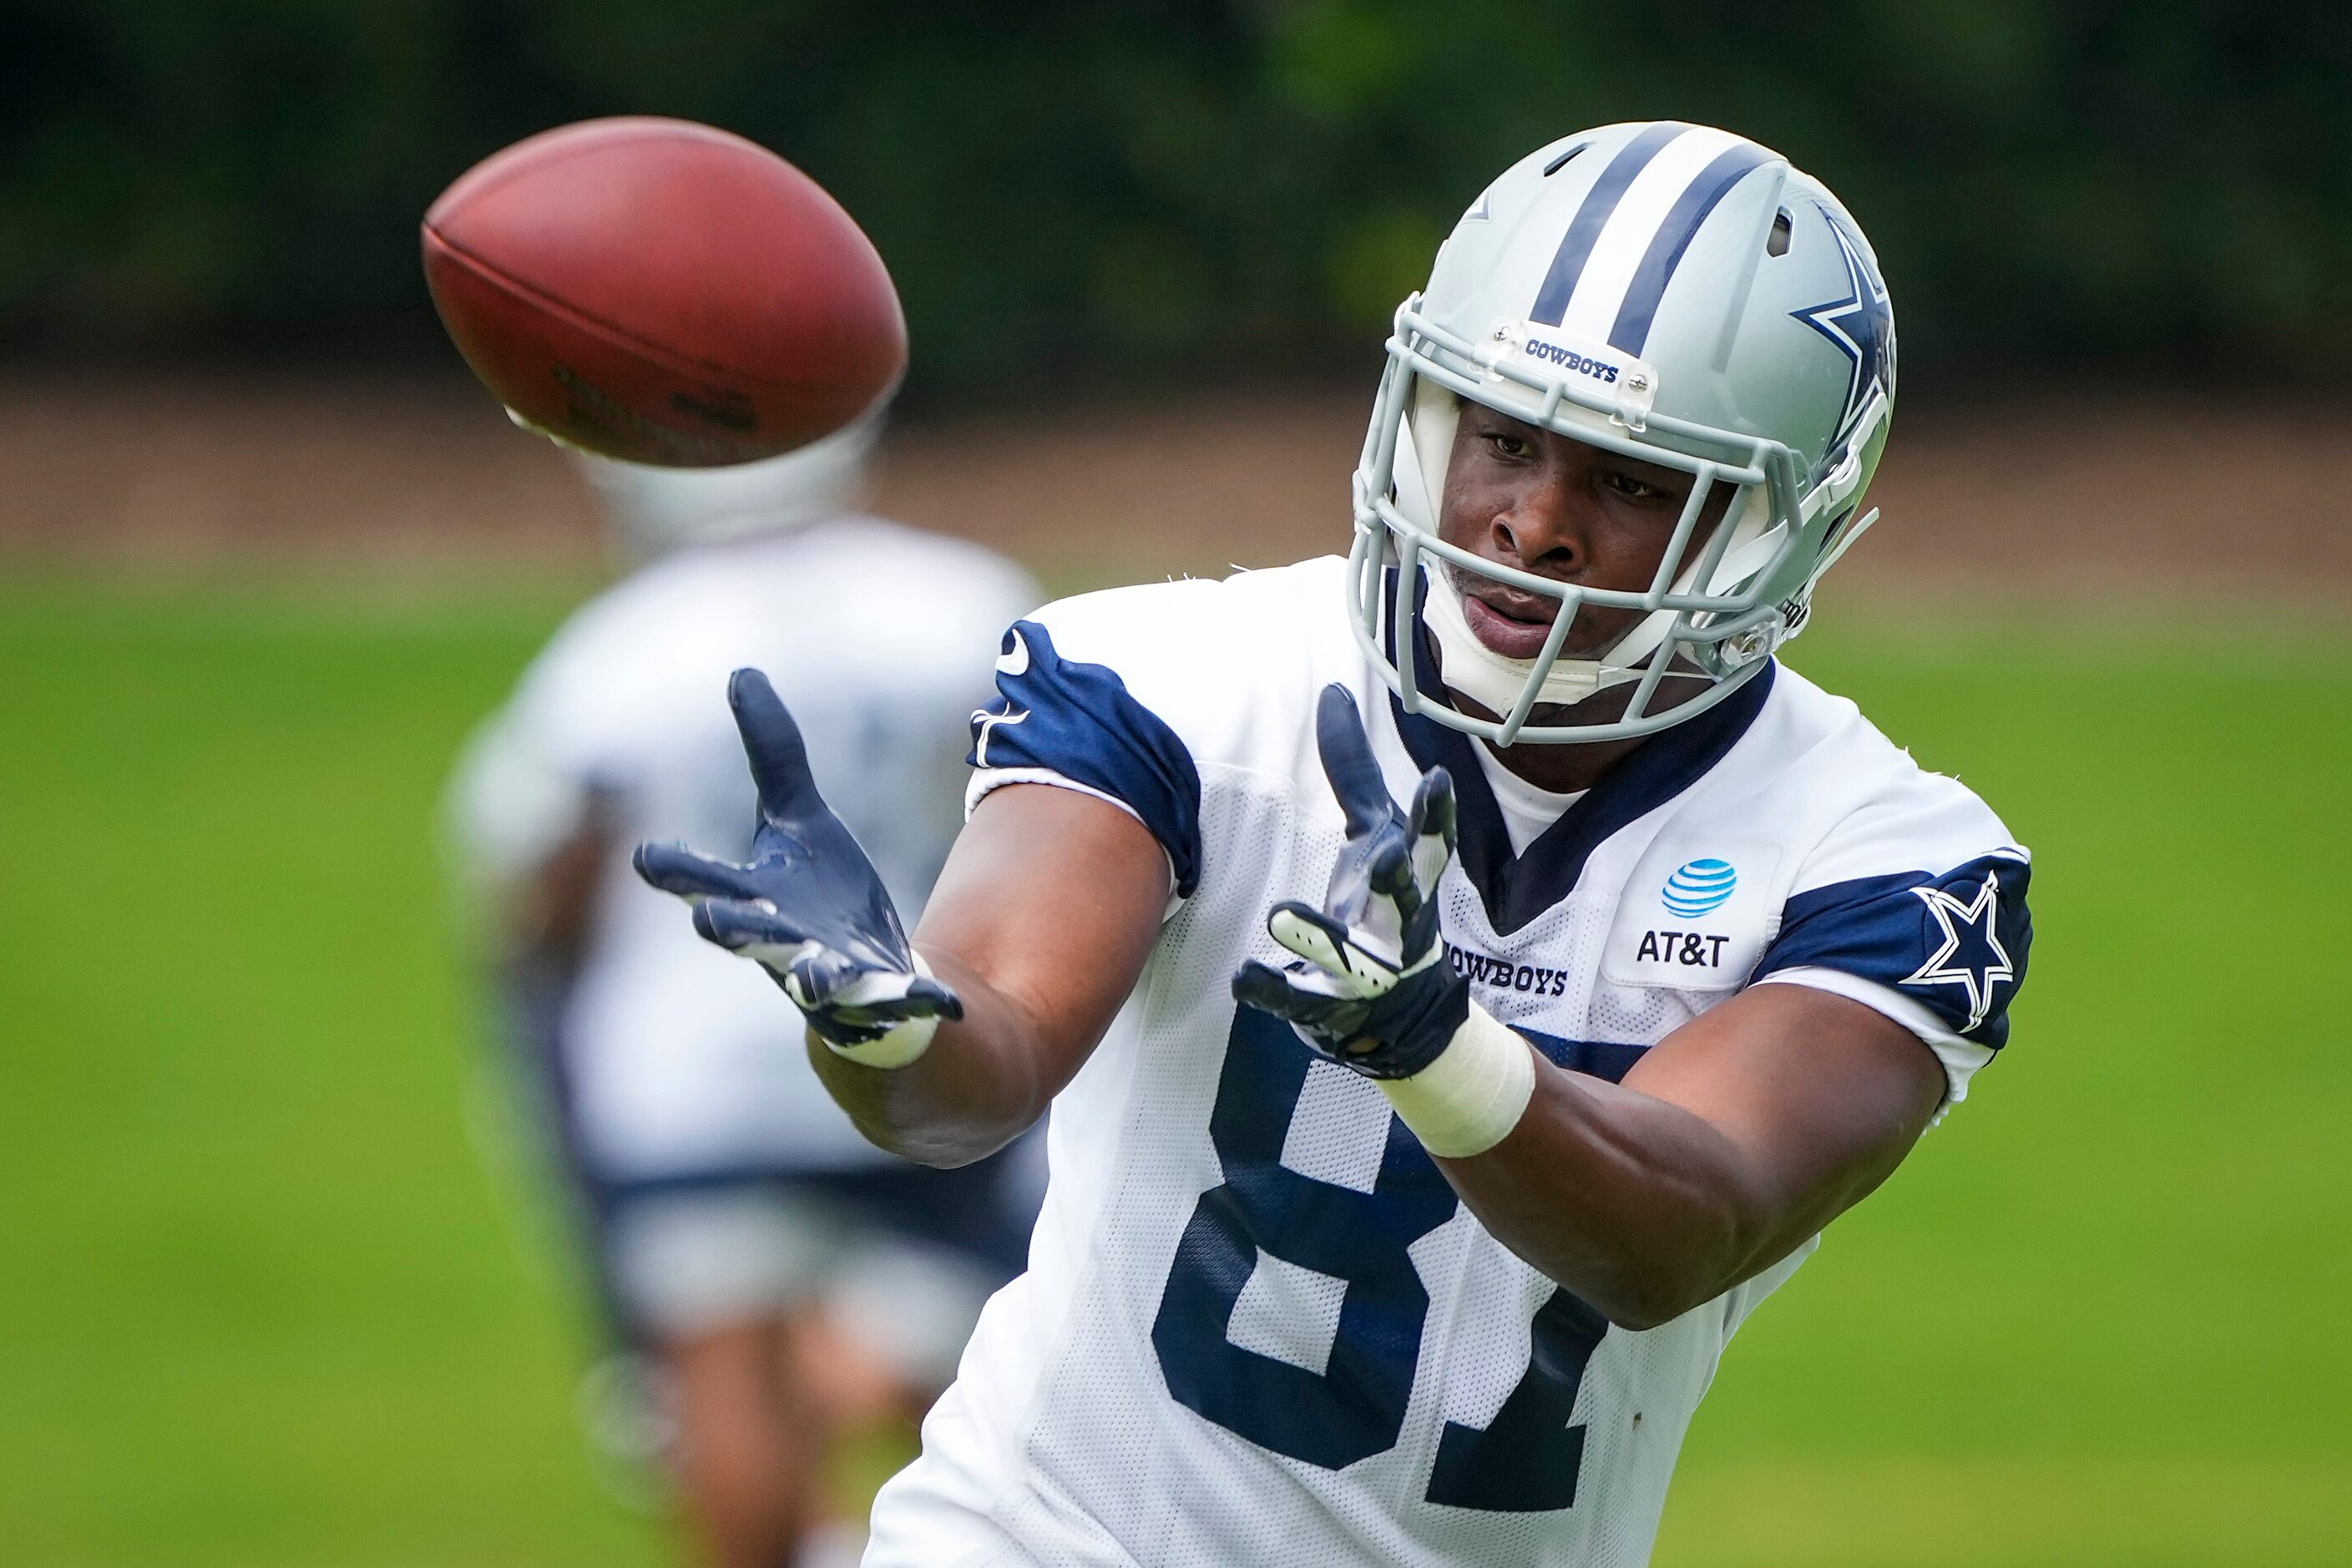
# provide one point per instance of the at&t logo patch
(1698, 888)
(1694, 914)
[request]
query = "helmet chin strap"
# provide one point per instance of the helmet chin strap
(1752, 547)
(1486, 677)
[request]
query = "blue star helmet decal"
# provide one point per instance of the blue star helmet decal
(1862, 327)
(1970, 955)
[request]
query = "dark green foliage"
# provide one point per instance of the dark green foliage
(1137, 188)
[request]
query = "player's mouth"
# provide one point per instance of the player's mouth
(1512, 625)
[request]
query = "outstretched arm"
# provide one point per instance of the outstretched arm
(1739, 1135)
(945, 1048)
(1041, 921)
(1730, 1143)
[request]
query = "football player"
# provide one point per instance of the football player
(775, 1275)
(1468, 976)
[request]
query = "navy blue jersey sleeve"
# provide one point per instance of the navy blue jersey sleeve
(1956, 942)
(1078, 721)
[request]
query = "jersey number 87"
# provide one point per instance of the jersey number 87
(1523, 1461)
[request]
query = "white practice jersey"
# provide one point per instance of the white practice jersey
(682, 1060)
(1258, 1327)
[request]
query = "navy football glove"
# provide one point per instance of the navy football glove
(809, 906)
(1370, 988)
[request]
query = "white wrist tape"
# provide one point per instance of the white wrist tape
(1470, 1097)
(903, 1044)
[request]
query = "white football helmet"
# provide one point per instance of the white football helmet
(655, 510)
(1674, 293)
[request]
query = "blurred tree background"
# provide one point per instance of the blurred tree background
(2136, 186)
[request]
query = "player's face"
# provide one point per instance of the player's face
(1540, 502)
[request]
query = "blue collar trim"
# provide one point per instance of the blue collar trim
(1517, 889)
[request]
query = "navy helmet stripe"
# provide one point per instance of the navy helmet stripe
(1584, 229)
(1631, 332)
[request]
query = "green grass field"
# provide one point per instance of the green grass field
(265, 1303)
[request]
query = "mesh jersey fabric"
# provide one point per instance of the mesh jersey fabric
(1257, 1325)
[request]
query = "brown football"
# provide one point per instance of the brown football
(664, 292)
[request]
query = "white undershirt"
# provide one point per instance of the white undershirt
(1527, 810)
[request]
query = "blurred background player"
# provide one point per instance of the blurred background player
(770, 1278)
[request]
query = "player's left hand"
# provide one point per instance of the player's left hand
(1370, 987)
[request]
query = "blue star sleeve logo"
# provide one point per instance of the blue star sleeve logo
(1970, 955)
(1862, 327)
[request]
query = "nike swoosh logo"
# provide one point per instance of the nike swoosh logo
(1014, 660)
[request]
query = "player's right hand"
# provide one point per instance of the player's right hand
(808, 907)
(1369, 985)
